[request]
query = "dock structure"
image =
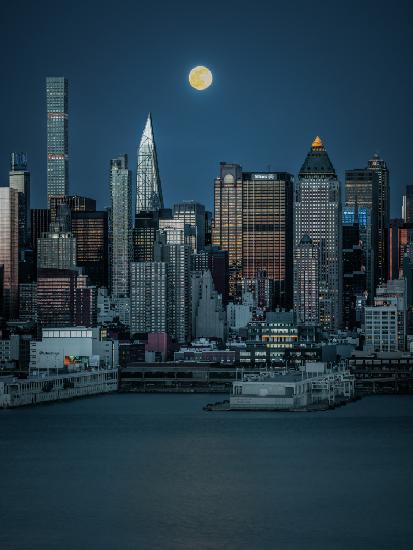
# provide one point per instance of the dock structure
(315, 386)
(41, 388)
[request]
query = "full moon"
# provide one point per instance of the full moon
(200, 78)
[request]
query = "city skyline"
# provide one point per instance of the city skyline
(280, 115)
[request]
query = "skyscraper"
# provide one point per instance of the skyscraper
(144, 235)
(178, 258)
(57, 136)
(267, 231)
(407, 213)
(363, 217)
(19, 179)
(381, 173)
(55, 297)
(9, 249)
(193, 214)
(354, 275)
(148, 183)
(400, 237)
(307, 283)
(56, 249)
(227, 226)
(120, 226)
(149, 297)
(369, 187)
(40, 222)
(317, 214)
(90, 230)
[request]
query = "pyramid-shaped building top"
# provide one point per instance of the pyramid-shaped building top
(317, 161)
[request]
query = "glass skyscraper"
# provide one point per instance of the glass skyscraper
(148, 183)
(57, 136)
(9, 249)
(120, 226)
(317, 215)
(227, 226)
(381, 173)
(19, 179)
(267, 232)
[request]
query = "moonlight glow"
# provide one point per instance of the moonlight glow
(200, 78)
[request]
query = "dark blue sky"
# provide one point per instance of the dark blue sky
(283, 72)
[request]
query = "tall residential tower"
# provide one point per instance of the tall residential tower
(120, 226)
(57, 136)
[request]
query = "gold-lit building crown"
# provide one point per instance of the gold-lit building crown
(317, 143)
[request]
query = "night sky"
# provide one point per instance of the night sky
(283, 72)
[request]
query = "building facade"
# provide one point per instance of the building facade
(9, 249)
(267, 232)
(56, 249)
(90, 229)
(19, 179)
(317, 214)
(149, 297)
(57, 94)
(307, 283)
(227, 225)
(193, 214)
(76, 203)
(120, 226)
(148, 183)
(178, 258)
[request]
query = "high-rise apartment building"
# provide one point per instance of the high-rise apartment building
(193, 214)
(148, 183)
(317, 214)
(19, 179)
(144, 236)
(57, 136)
(307, 283)
(227, 225)
(178, 258)
(120, 226)
(267, 231)
(90, 229)
(9, 249)
(149, 297)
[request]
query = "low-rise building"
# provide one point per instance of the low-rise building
(71, 347)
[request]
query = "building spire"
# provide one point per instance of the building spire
(148, 183)
(317, 143)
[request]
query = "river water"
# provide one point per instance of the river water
(127, 471)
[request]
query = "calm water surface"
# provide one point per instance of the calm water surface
(155, 471)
